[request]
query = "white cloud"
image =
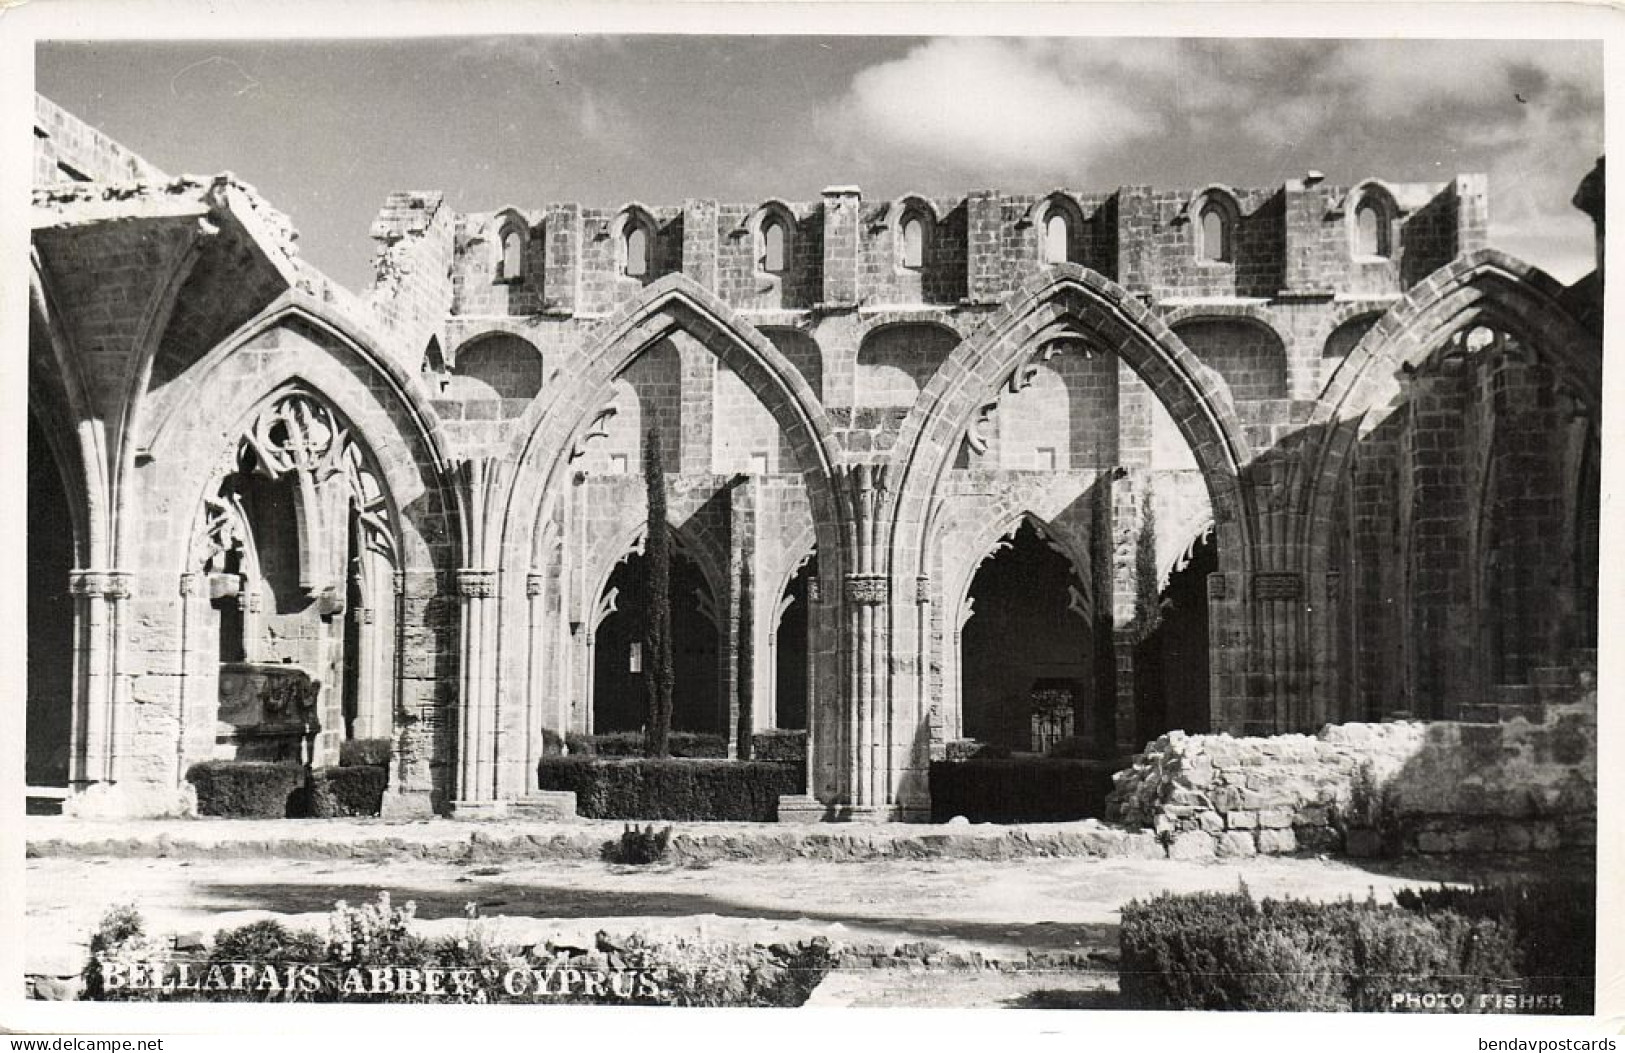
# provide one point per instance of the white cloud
(1000, 107)
(1086, 111)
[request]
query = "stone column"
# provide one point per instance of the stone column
(99, 724)
(476, 739)
(535, 642)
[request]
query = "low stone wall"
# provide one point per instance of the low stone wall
(1429, 787)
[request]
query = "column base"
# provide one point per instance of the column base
(546, 806)
(406, 805)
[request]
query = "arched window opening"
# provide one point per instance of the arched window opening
(772, 257)
(637, 251)
(1057, 238)
(913, 242)
(1371, 230)
(1215, 235)
(512, 267)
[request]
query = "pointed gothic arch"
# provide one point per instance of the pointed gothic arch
(1488, 287)
(1094, 308)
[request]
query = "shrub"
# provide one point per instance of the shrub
(956, 750)
(779, 746)
(247, 789)
(365, 753)
(638, 847)
(1554, 926)
(1226, 951)
(682, 790)
(691, 744)
(339, 792)
(1025, 790)
(120, 938)
(378, 936)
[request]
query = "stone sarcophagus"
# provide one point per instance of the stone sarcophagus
(267, 712)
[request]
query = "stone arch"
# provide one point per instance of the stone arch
(986, 541)
(496, 365)
(1065, 205)
(1486, 286)
(803, 351)
(896, 359)
(987, 662)
(510, 246)
(1218, 201)
(407, 393)
(58, 397)
(1344, 331)
(768, 213)
(635, 218)
(1098, 309)
(1379, 197)
(1245, 349)
(546, 434)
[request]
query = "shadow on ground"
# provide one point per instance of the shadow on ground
(550, 902)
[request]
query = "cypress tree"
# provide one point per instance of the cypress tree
(659, 674)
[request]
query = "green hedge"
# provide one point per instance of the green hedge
(1020, 790)
(365, 753)
(1555, 922)
(342, 792)
(630, 744)
(248, 789)
(671, 789)
(956, 750)
(1227, 951)
(779, 746)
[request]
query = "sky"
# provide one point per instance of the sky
(324, 130)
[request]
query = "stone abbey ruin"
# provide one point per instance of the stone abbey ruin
(1243, 461)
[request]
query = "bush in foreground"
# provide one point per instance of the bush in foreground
(673, 790)
(1227, 951)
(276, 963)
(638, 847)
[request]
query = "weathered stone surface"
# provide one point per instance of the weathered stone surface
(1237, 844)
(1277, 841)
(1192, 844)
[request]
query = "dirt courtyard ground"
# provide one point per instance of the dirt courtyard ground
(1002, 909)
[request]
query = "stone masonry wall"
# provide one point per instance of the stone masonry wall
(1440, 787)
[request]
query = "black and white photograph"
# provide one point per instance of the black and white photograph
(746, 510)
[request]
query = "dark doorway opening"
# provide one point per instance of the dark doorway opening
(619, 698)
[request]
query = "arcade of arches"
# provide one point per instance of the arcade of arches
(1101, 497)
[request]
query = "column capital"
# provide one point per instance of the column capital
(108, 584)
(535, 582)
(868, 589)
(476, 583)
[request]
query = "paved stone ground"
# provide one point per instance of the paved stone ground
(1002, 908)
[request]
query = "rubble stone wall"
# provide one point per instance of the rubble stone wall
(1433, 787)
